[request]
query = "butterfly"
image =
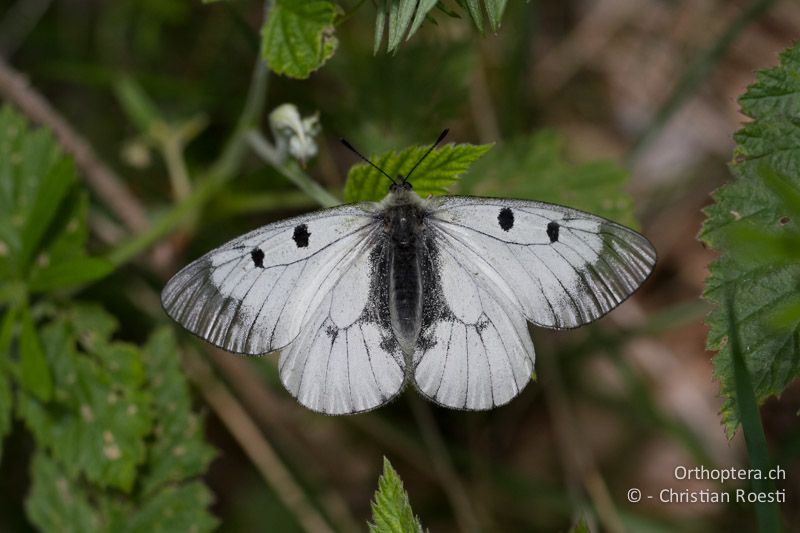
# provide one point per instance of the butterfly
(363, 299)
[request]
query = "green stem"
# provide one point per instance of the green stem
(290, 171)
(696, 74)
(223, 169)
(768, 516)
(172, 151)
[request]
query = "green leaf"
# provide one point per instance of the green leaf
(53, 189)
(99, 416)
(767, 149)
(580, 527)
(534, 168)
(69, 273)
(6, 337)
(404, 18)
(438, 170)
(34, 374)
(178, 451)
(391, 510)
(299, 36)
(42, 214)
(767, 514)
(56, 502)
(174, 508)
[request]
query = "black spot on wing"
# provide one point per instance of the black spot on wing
(301, 236)
(506, 219)
(552, 231)
(258, 257)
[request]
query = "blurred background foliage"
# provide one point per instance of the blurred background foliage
(626, 108)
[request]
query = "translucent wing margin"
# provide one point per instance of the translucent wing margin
(561, 267)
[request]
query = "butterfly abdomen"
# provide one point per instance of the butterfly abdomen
(403, 225)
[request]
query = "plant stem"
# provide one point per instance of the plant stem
(223, 169)
(172, 150)
(257, 448)
(291, 171)
(696, 74)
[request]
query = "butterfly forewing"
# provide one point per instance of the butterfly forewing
(561, 267)
(253, 294)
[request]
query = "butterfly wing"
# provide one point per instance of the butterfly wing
(562, 267)
(313, 274)
(475, 351)
(499, 263)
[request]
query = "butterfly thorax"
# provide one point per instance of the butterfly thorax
(404, 233)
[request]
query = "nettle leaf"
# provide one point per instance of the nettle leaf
(298, 37)
(56, 502)
(534, 168)
(178, 451)
(767, 149)
(97, 422)
(438, 170)
(391, 510)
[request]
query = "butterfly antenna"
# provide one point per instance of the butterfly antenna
(376, 167)
(440, 139)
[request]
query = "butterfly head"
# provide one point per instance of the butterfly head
(401, 185)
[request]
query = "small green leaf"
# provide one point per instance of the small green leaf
(760, 203)
(69, 273)
(380, 24)
(534, 168)
(438, 170)
(56, 502)
(391, 510)
(173, 508)
(137, 104)
(179, 451)
(580, 527)
(34, 374)
(299, 36)
(423, 8)
(53, 189)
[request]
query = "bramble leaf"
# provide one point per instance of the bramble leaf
(438, 170)
(766, 165)
(534, 168)
(391, 510)
(299, 36)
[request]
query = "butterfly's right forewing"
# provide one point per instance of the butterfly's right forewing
(306, 286)
(252, 294)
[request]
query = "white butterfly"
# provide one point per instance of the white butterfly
(362, 299)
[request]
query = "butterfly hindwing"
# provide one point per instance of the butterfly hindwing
(346, 360)
(475, 351)
(560, 267)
